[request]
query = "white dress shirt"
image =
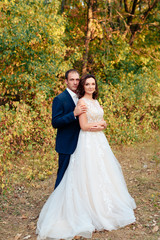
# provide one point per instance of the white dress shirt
(73, 96)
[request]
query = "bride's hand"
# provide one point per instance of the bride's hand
(103, 123)
(96, 128)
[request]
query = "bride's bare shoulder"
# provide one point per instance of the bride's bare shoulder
(81, 101)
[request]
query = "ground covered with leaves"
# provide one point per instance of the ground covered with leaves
(140, 164)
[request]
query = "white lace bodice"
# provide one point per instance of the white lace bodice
(94, 110)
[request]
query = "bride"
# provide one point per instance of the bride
(92, 194)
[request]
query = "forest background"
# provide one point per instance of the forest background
(117, 41)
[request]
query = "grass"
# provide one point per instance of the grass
(25, 196)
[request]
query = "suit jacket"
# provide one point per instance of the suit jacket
(67, 125)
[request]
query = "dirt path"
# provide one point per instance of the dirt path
(140, 165)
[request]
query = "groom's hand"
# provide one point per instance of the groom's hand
(79, 109)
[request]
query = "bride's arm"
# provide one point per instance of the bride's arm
(85, 126)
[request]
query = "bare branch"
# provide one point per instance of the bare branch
(139, 52)
(145, 14)
(126, 6)
(132, 12)
(126, 25)
(134, 6)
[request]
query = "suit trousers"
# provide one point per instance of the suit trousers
(63, 164)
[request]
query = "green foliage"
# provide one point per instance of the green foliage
(27, 142)
(32, 48)
(132, 108)
(38, 44)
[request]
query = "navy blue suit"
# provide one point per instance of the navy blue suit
(67, 130)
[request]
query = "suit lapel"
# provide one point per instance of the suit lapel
(71, 102)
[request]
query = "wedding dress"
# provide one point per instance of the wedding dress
(92, 194)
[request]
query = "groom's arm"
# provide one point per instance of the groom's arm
(59, 119)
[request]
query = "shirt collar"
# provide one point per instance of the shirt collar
(71, 93)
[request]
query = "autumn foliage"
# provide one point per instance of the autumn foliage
(40, 40)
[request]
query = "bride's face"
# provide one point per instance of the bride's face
(89, 86)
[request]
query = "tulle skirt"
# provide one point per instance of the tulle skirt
(91, 196)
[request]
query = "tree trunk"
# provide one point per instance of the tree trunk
(62, 5)
(110, 13)
(88, 35)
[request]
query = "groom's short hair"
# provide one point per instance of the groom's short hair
(69, 71)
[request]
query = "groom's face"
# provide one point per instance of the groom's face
(72, 81)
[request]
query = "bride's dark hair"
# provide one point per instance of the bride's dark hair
(80, 90)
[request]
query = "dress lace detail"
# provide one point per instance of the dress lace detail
(94, 111)
(92, 194)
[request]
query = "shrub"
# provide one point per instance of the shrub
(131, 108)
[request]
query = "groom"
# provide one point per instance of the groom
(64, 118)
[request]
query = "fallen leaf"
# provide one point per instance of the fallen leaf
(32, 225)
(27, 237)
(139, 226)
(24, 217)
(155, 229)
(18, 236)
(22, 200)
(35, 217)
